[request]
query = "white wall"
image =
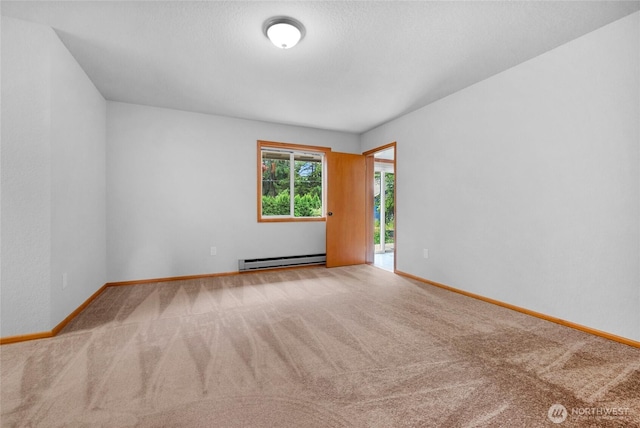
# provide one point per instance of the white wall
(525, 187)
(179, 183)
(26, 179)
(53, 174)
(78, 196)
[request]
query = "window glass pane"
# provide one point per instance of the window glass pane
(291, 184)
(275, 184)
(384, 216)
(376, 209)
(307, 185)
(389, 211)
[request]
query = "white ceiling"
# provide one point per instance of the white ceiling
(360, 64)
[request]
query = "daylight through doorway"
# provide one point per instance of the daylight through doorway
(384, 209)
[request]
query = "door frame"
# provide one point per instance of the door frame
(369, 222)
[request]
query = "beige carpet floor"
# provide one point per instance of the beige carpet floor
(345, 347)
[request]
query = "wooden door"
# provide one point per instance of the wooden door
(346, 209)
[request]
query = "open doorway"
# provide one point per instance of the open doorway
(381, 224)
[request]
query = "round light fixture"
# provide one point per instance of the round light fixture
(284, 32)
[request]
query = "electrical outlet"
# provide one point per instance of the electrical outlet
(425, 253)
(65, 280)
(214, 251)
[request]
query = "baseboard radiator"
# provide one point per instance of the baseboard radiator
(278, 262)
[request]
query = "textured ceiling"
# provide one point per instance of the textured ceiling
(360, 64)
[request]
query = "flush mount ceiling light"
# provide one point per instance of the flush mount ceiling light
(284, 32)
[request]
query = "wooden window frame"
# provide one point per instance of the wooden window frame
(294, 147)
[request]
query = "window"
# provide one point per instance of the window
(285, 170)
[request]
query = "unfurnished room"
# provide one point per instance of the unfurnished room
(320, 214)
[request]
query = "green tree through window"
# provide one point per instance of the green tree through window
(286, 173)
